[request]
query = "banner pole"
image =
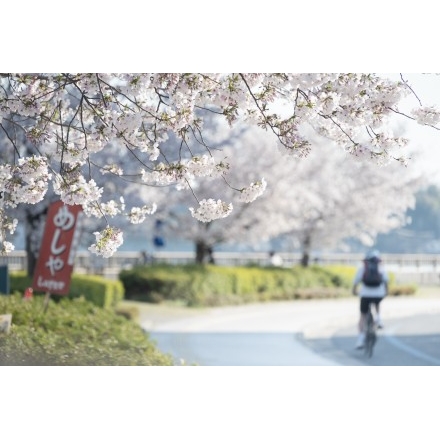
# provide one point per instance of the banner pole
(46, 301)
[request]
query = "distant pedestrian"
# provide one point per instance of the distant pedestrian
(146, 258)
(275, 259)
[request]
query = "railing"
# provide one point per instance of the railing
(15, 260)
(422, 268)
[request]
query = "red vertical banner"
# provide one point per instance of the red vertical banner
(57, 252)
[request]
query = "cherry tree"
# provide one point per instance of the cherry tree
(344, 198)
(72, 119)
(30, 215)
(33, 216)
(245, 224)
(316, 201)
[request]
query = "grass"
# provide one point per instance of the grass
(72, 332)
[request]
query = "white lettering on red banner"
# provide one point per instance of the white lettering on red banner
(55, 260)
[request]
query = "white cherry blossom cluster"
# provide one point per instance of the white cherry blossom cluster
(329, 102)
(26, 182)
(72, 118)
(164, 174)
(184, 171)
(108, 209)
(11, 225)
(253, 191)
(112, 208)
(112, 169)
(205, 165)
(391, 142)
(5, 175)
(73, 189)
(210, 210)
(7, 226)
(72, 154)
(6, 247)
(426, 115)
(138, 214)
(107, 242)
(152, 149)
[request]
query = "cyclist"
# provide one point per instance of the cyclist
(369, 294)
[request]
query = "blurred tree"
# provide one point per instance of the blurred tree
(426, 214)
(422, 232)
(310, 203)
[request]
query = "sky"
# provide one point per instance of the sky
(424, 142)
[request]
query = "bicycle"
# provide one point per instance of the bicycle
(370, 333)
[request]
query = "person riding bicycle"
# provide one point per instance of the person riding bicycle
(370, 292)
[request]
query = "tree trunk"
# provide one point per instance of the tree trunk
(204, 253)
(306, 247)
(33, 236)
(31, 258)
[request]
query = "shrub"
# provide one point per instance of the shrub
(219, 285)
(347, 274)
(98, 290)
(344, 275)
(72, 332)
(398, 290)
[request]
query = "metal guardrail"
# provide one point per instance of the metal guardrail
(422, 268)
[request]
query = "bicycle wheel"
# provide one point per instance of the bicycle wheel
(370, 335)
(370, 340)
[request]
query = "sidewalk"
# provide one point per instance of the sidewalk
(427, 299)
(153, 315)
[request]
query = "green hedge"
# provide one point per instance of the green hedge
(210, 285)
(98, 290)
(218, 285)
(347, 273)
(72, 332)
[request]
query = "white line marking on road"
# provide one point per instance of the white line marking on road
(412, 351)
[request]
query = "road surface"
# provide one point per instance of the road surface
(310, 333)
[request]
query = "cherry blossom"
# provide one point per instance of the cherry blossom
(426, 115)
(73, 119)
(211, 209)
(254, 190)
(74, 190)
(138, 214)
(107, 241)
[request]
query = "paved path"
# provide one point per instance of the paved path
(319, 332)
(410, 341)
